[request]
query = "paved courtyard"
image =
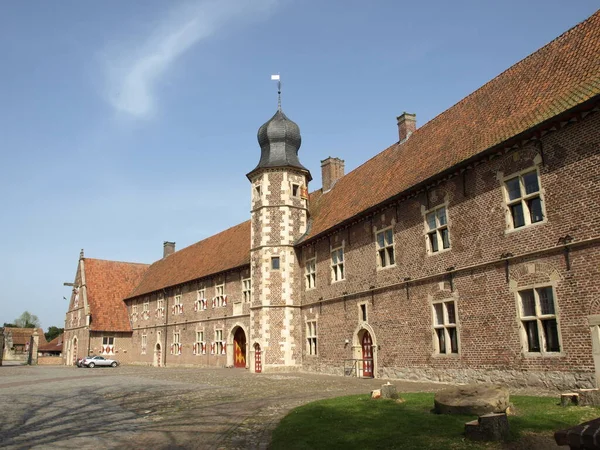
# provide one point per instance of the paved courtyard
(146, 407)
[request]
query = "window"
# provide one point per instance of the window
(275, 263)
(538, 320)
(220, 298)
(257, 190)
(108, 345)
(146, 306)
(444, 325)
(337, 264)
(295, 190)
(524, 199)
(437, 229)
(177, 307)
(247, 290)
(146, 309)
(200, 303)
(200, 345)
(363, 312)
(219, 345)
(134, 311)
(385, 248)
(160, 306)
(310, 269)
(311, 337)
(144, 343)
(176, 345)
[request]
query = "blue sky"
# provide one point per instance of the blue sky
(124, 124)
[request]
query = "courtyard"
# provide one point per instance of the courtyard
(159, 408)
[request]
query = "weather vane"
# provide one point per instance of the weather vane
(278, 79)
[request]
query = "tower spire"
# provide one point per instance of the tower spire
(278, 79)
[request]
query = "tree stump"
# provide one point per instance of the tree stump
(489, 427)
(389, 391)
(569, 399)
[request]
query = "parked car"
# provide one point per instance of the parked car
(80, 362)
(100, 361)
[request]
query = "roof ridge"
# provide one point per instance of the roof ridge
(114, 261)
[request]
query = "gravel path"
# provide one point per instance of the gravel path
(168, 408)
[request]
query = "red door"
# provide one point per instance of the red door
(367, 355)
(239, 348)
(257, 359)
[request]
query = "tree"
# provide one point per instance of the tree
(9, 325)
(27, 320)
(53, 332)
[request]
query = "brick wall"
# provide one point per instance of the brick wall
(490, 333)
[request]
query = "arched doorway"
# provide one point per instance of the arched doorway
(74, 352)
(367, 354)
(257, 359)
(239, 348)
(157, 355)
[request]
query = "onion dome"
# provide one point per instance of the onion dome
(279, 140)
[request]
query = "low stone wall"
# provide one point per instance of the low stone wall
(50, 360)
(512, 378)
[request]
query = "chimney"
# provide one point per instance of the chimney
(168, 248)
(332, 169)
(407, 124)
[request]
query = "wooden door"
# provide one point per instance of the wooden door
(367, 355)
(257, 359)
(239, 348)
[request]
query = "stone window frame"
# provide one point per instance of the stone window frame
(339, 266)
(134, 308)
(312, 337)
(437, 231)
(385, 249)
(257, 190)
(310, 273)
(144, 342)
(538, 318)
(200, 304)
(160, 305)
(246, 289)
(445, 327)
(177, 307)
(523, 200)
(295, 189)
(146, 306)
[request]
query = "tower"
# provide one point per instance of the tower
(279, 215)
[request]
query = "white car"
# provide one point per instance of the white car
(100, 361)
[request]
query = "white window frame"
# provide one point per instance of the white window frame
(246, 290)
(338, 268)
(134, 312)
(523, 200)
(220, 298)
(311, 338)
(220, 344)
(200, 303)
(176, 345)
(310, 273)
(385, 248)
(436, 233)
(444, 327)
(538, 318)
(160, 306)
(108, 345)
(177, 307)
(199, 347)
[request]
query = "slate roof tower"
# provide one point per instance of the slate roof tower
(279, 214)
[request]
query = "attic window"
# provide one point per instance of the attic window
(295, 190)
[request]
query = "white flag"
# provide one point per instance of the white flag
(275, 77)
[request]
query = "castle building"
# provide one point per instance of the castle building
(466, 251)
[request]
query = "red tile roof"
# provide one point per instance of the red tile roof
(554, 79)
(20, 336)
(107, 284)
(55, 345)
(226, 250)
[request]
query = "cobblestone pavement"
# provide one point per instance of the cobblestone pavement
(159, 408)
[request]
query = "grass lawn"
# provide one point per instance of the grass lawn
(358, 422)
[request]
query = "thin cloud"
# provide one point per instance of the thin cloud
(133, 75)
